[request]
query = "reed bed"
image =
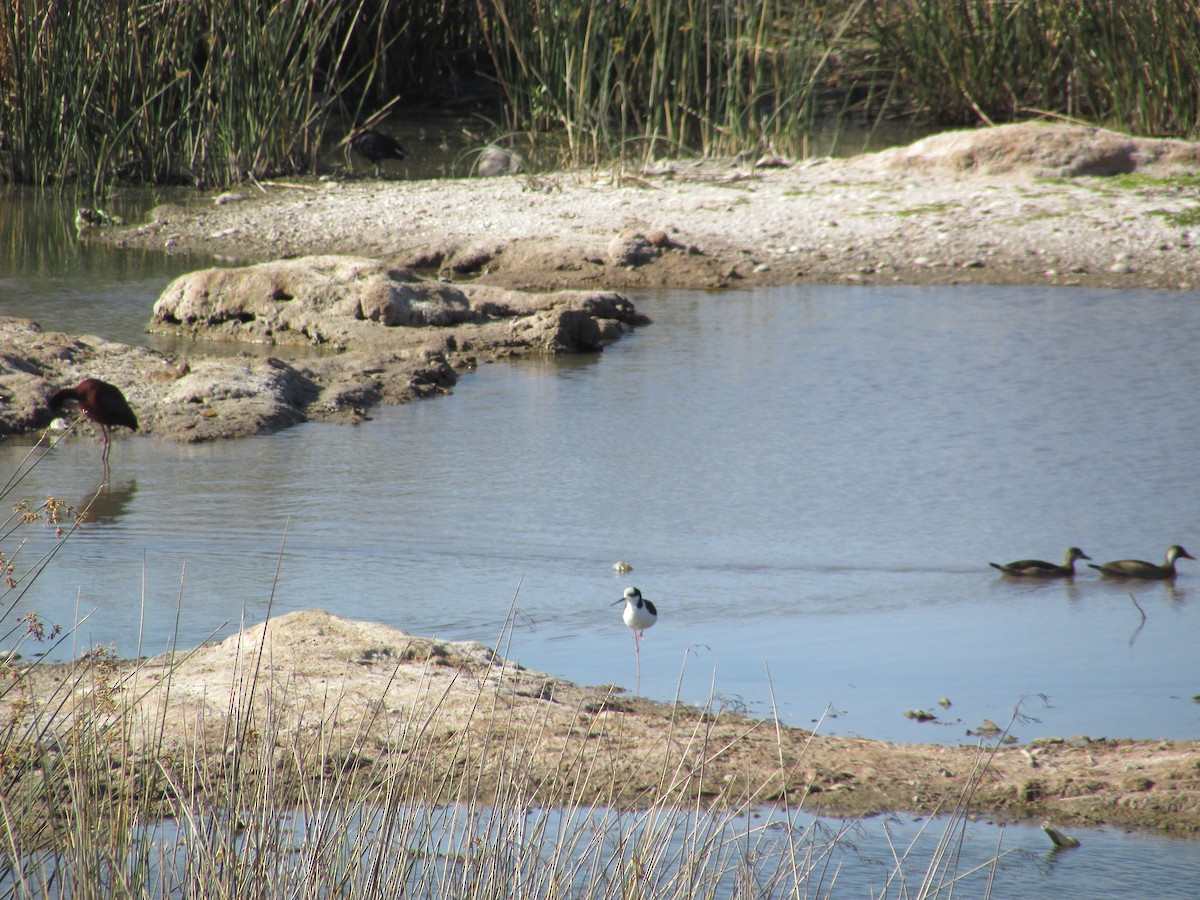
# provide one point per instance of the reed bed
(215, 92)
(670, 76)
(212, 92)
(1131, 66)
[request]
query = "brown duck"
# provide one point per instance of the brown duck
(1039, 568)
(1137, 568)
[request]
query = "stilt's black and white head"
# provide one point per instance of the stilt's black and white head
(639, 613)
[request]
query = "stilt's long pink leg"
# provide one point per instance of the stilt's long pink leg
(637, 655)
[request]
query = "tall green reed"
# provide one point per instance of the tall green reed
(666, 75)
(1142, 63)
(1135, 66)
(211, 92)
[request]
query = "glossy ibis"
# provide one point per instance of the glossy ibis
(376, 147)
(101, 402)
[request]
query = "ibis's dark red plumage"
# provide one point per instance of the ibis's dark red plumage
(101, 402)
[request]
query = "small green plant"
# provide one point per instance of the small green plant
(1187, 218)
(926, 209)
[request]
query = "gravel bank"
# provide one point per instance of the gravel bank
(1021, 204)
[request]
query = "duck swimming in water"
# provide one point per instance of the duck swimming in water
(1138, 568)
(1039, 568)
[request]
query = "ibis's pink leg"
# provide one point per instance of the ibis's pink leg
(104, 453)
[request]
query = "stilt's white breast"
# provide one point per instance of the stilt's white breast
(639, 613)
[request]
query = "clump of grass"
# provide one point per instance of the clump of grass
(1187, 218)
(53, 516)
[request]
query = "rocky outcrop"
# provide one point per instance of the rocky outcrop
(346, 302)
(1043, 149)
(314, 300)
(202, 400)
(374, 334)
(35, 363)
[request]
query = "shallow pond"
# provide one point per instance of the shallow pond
(809, 482)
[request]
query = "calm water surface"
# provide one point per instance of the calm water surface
(809, 482)
(770, 853)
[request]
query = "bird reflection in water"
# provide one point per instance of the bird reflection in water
(108, 504)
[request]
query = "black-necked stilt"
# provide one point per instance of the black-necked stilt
(639, 615)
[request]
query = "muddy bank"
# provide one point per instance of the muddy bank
(368, 690)
(1018, 204)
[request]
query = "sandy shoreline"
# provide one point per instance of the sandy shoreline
(1023, 205)
(364, 691)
